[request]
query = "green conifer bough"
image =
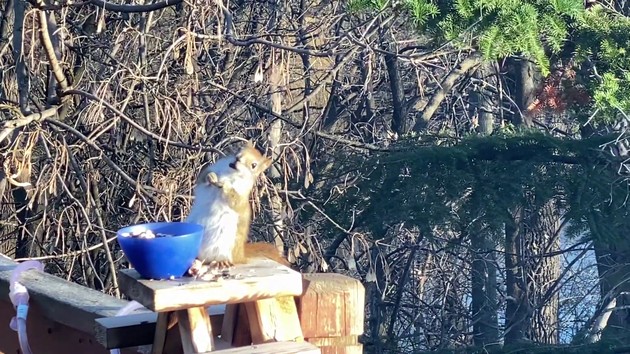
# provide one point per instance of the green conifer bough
(597, 40)
(497, 28)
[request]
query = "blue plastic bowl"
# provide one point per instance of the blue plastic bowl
(162, 257)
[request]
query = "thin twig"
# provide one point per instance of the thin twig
(126, 8)
(65, 255)
(138, 126)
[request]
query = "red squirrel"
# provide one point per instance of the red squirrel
(222, 206)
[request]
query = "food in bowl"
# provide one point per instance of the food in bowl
(142, 232)
(161, 250)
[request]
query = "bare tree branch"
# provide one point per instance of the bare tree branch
(23, 81)
(50, 50)
(126, 8)
(9, 126)
(446, 85)
(138, 126)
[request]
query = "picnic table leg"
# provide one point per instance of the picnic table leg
(235, 329)
(229, 323)
(195, 330)
(161, 326)
(274, 320)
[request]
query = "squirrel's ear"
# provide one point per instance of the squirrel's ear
(250, 143)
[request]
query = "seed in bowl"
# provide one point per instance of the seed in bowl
(163, 235)
(143, 233)
(135, 232)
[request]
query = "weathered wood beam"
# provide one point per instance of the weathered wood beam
(61, 314)
(62, 301)
(272, 348)
(259, 279)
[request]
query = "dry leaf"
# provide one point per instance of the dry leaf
(258, 75)
(101, 22)
(188, 65)
(324, 266)
(132, 201)
(308, 179)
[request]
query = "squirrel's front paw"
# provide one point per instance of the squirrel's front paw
(197, 269)
(222, 264)
(214, 179)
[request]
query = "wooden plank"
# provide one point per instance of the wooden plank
(335, 341)
(159, 336)
(338, 345)
(261, 279)
(242, 333)
(332, 306)
(254, 325)
(62, 301)
(195, 330)
(173, 342)
(274, 320)
(47, 336)
(229, 323)
(273, 348)
(138, 329)
(338, 349)
(125, 331)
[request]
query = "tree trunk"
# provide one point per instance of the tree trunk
(400, 122)
(276, 84)
(532, 273)
(275, 134)
(484, 292)
(532, 306)
(482, 101)
(6, 19)
(526, 78)
(374, 284)
(614, 271)
(517, 311)
(541, 231)
(21, 73)
(484, 270)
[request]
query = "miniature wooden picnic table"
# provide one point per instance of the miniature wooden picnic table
(264, 288)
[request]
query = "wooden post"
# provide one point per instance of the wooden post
(331, 312)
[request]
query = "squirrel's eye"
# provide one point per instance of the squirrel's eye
(254, 165)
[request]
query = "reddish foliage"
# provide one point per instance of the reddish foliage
(559, 92)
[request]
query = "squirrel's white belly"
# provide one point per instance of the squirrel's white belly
(220, 224)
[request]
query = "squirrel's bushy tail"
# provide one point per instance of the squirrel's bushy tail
(264, 249)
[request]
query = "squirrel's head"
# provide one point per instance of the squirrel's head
(250, 161)
(241, 170)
